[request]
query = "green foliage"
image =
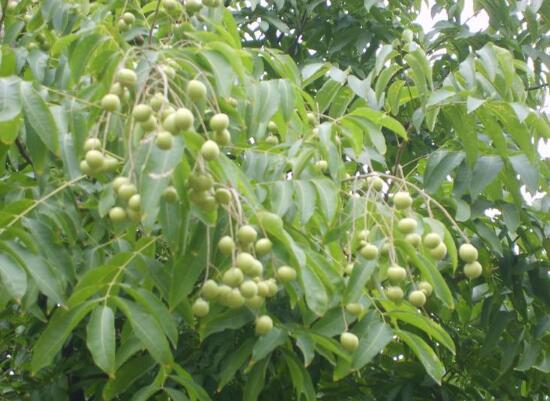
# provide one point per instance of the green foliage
(314, 117)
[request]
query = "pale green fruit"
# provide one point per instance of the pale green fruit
(157, 101)
(117, 89)
(467, 252)
(414, 239)
(169, 5)
(129, 18)
(150, 124)
(200, 307)
(247, 234)
(223, 294)
(395, 293)
(184, 119)
(92, 144)
(193, 6)
(397, 273)
(164, 140)
(363, 235)
(119, 181)
(263, 246)
(210, 150)
(110, 102)
(348, 269)
(311, 118)
(134, 215)
(473, 270)
(117, 214)
(257, 269)
(85, 168)
(170, 194)
(263, 288)
(222, 138)
(349, 341)
(196, 90)
(219, 122)
(245, 261)
(417, 298)
(126, 191)
(273, 289)
(272, 127)
(369, 251)
(110, 163)
(223, 196)
(169, 123)
(95, 159)
(375, 183)
(264, 325)
(407, 225)
(432, 240)
(286, 274)
(134, 202)
(272, 140)
(233, 277)
(439, 252)
(425, 287)
(126, 77)
(235, 299)
(255, 302)
(321, 165)
(402, 200)
(142, 112)
(354, 308)
(249, 289)
(210, 289)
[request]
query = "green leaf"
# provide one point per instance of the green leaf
(379, 118)
(145, 393)
(300, 377)
(327, 192)
(40, 117)
(147, 329)
(13, 277)
(379, 334)
(268, 343)
(424, 353)
(234, 362)
(361, 273)
(127, 375)
(485, 171)
(315, 292)
(255, 381)
(230, 319)
(100, 338)
(10, 98)
(305, 197)
(528, 173)
(52, 339)
(440, 165)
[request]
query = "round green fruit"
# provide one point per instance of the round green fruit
(286, 274)
(369, 252)
(432, 240)
(129, 18)
(210, 150)
(223, 196)
(246, 235)
(157, 101)
(268, 219)
(184, 119)
(264, 325)
(117, 214)
(122, 25)
(164, 140)
(219, 122)
(311, 118)
(255, 302)
(134, 215)
(414, 239)
(407, 225)
(272, 140)
(193, 6)
(397, 273)
(425, 287)
(222, 138)
(473, 269)
(363, 235)
(226, 246)
(245, 262)
(272, 288)
(110, 102)
(354, 308)
(321, 165)
(92, 144)
(468, 253)
(204, 182)
(272, 127)
(117, 89)
(235, 299)
(196, 90)
(110, 163)
(348, 269)
(169, 71)
(224, 291)
(375, 183)
(402, 200)
(439, 252)
(170, 194)
(417, 298)
(263, 246)
(169, 123)
(200, 308)
(119, 181)
(126, 191)
(349, 341)
(233, 277)
(210, 289)
(85, 168)
(169, 5)
(142, 112)
(134, 202)
(395, 293)
(150, 124)
(249, 289)
(126, 77)
(95, 159)
(263, 288)
(257, 269)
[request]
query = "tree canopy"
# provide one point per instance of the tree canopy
(256, 200)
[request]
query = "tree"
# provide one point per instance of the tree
(256, 200)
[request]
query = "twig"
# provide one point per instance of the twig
(23, 151)
(153, 22)
(533, 88)
(3, 17)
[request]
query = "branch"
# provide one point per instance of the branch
(533, 88)
(153, 22)
(23, 151)
(3, 17)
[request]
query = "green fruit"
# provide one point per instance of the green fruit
(126, 191)
(92, 144)
(196, 90)
(402, 200)
(200, 308)
(223, 196)
(226, 246)
(169, 5)
(210, 150)
(142, 112)
(110, 163)
(414, 239)
(272, 127)
(407, 225)
(272, 288)
(246, 235)
(363, 235)
(184, 119)
(439, 252)
(95, 159)
(311, 118)
(263, 246)
(223, 294)
(369, 252)
(170, 194)
(222, 138)
(264, 324)
(122, 25)
(425, 287)
(255, 302)
(119, 181)
(157, 101)
(467, 252)
(395, 293)
(129, 18)
(249, 289)
(117, 89)
(349, 341)
(210, 289)
(85, 168)
(321, 165)
(117, 214)
(396, 273)
(286, 274)
(110, 102)
(169, 71)
(219, 122)
(134, 215)
(473, 269)
(204, 182)
(164, 140)
(272, 140)
(169, 123)
(235, 299)
(257, 269)
(375, 183)
(233, 277)
(417, 298)
(134, 202)
(208, 204)
(193, 6)
(432, 240)
(245, 262)
(354, 308)
(407, 36)
(348, 269)
(150, 124)
(263, 288)
(126, 77)
(268, 219)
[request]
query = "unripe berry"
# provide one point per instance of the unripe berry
(85, 168)
(369, 252)
(255, 302)
(110, 102)
(354, 308)
(473, 270)
(257, 269)
(135, 202)
(157, 101)
(263, 246)
(196, 90)
(200, 308)
(414, 239)
(348, 269)
(169, 5)
(169, 123)
(349, 341)
(192, 6)
(126, 77)
(210, 289)
(395, 293)
(407, 225)
(396, 273)
(223, 196)
(467, 252)
(271, 140)
(417, 298)
(425, 287)
(142, 112)
(249, 289)
(375, 183)
(222, 138)
(184, 119)
(311, 118)
(219, 122)
(245, 261)
(95, 159)
(92, 144)
(432, 240)
(126, 191)
(233, 277)
(210, 150)
(286, 274)
(117, 214)
(246, 235)
(119, 181)
(264, 324)
(363, 235)
(321, 166)
(402, 200)
(272, 286)
(170, 194)
(235, 299)
(263, 288)
(164, 140)
(439, 252)
(150, 124)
